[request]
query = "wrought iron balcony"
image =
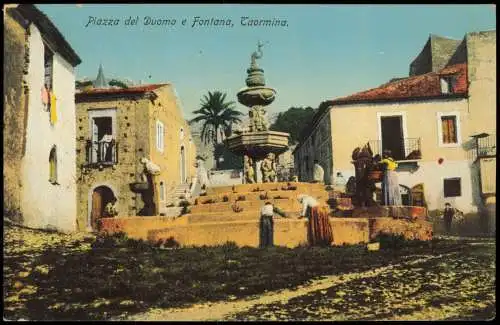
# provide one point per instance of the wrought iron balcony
(101, 153)
(410, 149)
(486, 146)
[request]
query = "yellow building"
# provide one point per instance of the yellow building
(116, 129)
(439, 123)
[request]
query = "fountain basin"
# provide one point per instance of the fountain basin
(258, 144)
(251, 96)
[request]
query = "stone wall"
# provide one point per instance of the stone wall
(287, 232)
(136, 118)
(318, 145)
(132, 143)
(442, 50)
(14, 114)
(434, 56)
(481, 55)
(423, 62)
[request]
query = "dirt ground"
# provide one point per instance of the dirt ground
(456, 283)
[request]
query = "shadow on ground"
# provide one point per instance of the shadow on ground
(115, 276)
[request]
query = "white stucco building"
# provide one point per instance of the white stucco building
(439, 123)
(47, 169)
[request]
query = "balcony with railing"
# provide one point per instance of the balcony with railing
(101, 153)
(486, 145)
(408, 150)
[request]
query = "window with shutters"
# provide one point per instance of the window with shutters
(48, 64)
(449, 129)
(448, 84)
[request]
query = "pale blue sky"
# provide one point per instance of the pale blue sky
(326, 51)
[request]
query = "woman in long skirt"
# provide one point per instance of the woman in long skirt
(390, 183)
(319, 230)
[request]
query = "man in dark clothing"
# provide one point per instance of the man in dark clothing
(267, 224)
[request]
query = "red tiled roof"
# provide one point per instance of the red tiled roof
(129, 90)
(426, 85)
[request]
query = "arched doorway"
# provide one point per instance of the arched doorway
(183, 165)
(101, 196)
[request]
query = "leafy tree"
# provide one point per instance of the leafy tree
(217, 117)
(293, 121)
(82, 84)
(117, 83)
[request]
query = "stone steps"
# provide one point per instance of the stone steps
(319, 194)
(207, 217)
(262, 187)
(173, 196)
(284, 204)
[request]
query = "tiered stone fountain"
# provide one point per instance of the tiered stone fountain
(258, 141)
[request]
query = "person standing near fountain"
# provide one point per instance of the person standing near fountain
(267, 224)
(390, 184)
(319, 230)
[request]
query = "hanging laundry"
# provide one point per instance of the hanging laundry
(53, 112)
(45, 95)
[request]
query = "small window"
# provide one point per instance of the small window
(53, 165)
(162, 191)
(160, 133)
(448, 84)
(182, 133)
(449, 129)
(452, 187)
(48, 67)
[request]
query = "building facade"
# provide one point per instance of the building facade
(39, 119)
(439, 124)
(117, 128)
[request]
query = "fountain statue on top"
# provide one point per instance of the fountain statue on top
(258, 143)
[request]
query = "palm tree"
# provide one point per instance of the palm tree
(217, 116)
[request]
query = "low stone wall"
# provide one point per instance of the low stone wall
(408, 212)
(418, 229)
(287, 232)
(349, 231)
(138, 227)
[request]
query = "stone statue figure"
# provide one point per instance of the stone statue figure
(257, 119)
(268, 169)
(257, 54)
(202, 173)
(249, 172)
(364, 186)
(274, 174)
(149, 170)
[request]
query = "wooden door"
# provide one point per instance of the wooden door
(96, 213)
(392, 136)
